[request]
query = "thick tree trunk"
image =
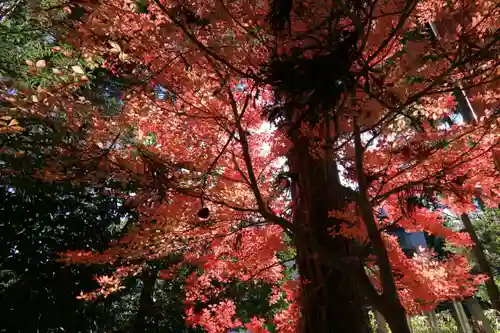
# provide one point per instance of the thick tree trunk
(146, 303)
(483, 263)
(331, 300)
(334, 293)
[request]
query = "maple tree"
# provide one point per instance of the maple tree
(290, 119)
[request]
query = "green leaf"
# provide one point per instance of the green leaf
(430, 58)
(442, 144)
(413, 35)
(415, 79)
(150, 139)
(399, 53)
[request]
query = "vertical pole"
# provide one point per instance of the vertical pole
(478, 315)
(484, 265)
(381, 323)
(463, 323)
(432, 319)
(408, 320)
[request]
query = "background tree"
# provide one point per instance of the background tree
(41, 219)
(486, 225)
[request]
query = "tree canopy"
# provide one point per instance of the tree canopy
(250, 134)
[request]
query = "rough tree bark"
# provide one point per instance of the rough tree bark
(331, 300)
(336, 291)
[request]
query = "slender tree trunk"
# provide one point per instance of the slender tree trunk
(381, 323)
(389, 304)
(70, 313)
(483, 263)
(146, 303)
(395, 315)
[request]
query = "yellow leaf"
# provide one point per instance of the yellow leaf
(115, 47)
(41, 64)
(123, 56)
(77, 69)
(13, 122)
